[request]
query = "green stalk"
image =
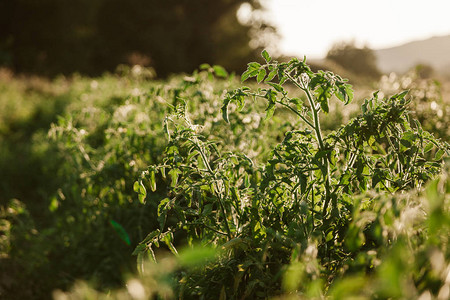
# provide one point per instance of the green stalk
(222, 208)
(315, 113)
(288, 107)
(298, 114)
(216, 187)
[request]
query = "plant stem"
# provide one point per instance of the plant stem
(288, 107)
(222, 208)
(298, 114)
(315, 113)
(216, 187)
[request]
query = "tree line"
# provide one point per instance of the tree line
(51, 37)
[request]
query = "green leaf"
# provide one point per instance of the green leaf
(364, 106)
(409, 136)
(204, 66)
(220, 71)
(419, 127)
(266, 56)
(340, 94)
(270, 110)
(246, 180)
(261, 75)
(324, 106)
(235, 194)
(276, 86)
(344, 93)
(174, 177)
(224, 110)
(163, 207)
(120, 231)
(315, 81)
(428, 147)
(329, 236)
(345, 178)
(400, 95)
(152, 180)
(350, 95)
(168, 239)
(139, 188)
(254, 66)
(439, 154)
(249, 73)
(271, 75)
(323, 94)
(151, 236)
(269, 113)
(298, 103)
(139, 249)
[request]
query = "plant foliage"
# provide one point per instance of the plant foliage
(300, 208)
(219, 190)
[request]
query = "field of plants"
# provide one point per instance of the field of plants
(280, 183)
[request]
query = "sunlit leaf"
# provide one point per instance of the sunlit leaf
(174, 177)
(254, 66)
(152, 180)
(270, 110)
(261, 75)
(168, 240)
(224, 110)
(428, 147)
(220, 71)
(266, 56)
(139, 188)
(204, 66)
(271, 75)
(276, 86)
(439, 154)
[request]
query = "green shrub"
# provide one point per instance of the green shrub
(427, 105)
(253, 198)
(298, 209)
(83, 207)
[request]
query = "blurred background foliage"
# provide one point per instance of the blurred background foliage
(51, 37)
(361, 61)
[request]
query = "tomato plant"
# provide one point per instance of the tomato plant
(301, 203)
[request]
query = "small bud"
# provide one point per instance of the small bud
(305, 78)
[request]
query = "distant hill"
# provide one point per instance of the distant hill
(434, 51)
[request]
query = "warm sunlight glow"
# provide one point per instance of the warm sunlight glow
(311, 27)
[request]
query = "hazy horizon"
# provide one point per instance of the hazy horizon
(306, 29)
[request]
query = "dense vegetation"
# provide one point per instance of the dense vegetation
(200, 187)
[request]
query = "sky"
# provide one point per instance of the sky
(310, 27)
